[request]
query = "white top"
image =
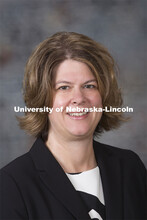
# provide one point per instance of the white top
(89, 186)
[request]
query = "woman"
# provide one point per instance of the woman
(66, 174)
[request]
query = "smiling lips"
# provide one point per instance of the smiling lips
(78, 115)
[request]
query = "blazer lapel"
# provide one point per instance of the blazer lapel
(111, 174)
(56, 180)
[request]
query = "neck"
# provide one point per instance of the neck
(73, 155)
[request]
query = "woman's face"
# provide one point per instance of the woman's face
(74, 86)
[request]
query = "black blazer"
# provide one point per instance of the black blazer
(34, 186)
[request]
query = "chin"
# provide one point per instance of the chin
(80, 132)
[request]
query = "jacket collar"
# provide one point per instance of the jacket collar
(111, 175)
(56, 180)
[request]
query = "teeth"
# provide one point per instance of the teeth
(78, 114)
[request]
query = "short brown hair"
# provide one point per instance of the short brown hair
(40, 68)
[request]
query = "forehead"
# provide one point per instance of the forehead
(72, 70)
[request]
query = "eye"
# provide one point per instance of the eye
(90, 86)
(63, 88)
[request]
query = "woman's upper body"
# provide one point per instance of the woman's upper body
(35, 186)
(73, 75)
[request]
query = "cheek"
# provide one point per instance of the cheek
(96, 100)
(59, 101)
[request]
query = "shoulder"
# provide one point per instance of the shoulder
(115, 151)
(15, 182)
(19, 167)
(128, 159)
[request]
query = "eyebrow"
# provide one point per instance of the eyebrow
(61, 82)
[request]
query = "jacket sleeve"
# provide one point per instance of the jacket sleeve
(135, 187)
(11, 201)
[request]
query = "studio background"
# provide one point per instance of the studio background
(118, 24)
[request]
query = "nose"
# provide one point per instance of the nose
(78, 97)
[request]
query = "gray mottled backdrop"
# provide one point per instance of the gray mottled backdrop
(118, 24)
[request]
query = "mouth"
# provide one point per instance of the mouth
(78, 113)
